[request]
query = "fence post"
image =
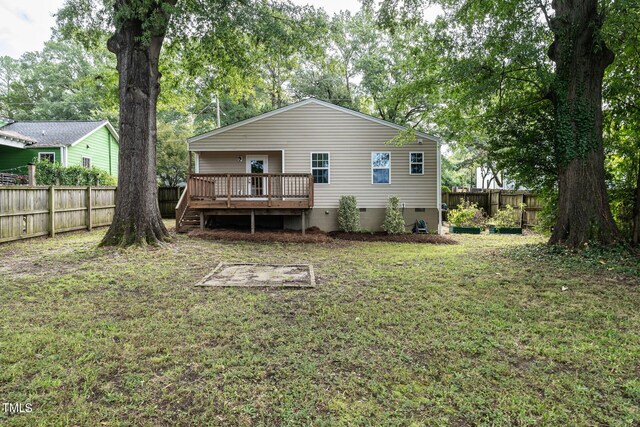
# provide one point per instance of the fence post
(89, 209)
(52, 211)
(31, 172)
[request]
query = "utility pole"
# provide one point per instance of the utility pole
(218, 109)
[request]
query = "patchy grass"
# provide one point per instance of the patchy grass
(395, 334)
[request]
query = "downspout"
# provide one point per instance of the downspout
(109, 148)
(439, 189)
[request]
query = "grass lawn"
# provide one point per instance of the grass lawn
(395, 334)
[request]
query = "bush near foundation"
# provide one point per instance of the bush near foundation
(393, 218)
(348, 214)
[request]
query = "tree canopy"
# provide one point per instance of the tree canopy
(479, 76)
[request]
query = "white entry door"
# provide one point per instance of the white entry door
(257, 186)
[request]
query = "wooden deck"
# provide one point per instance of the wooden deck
(239, 194)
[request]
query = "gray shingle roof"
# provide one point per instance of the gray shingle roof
(53, 133)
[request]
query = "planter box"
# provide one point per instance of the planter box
(505, 230)
(464, 230)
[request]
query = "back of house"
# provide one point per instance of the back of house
(343, 151)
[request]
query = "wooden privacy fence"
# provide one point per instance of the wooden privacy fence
(493, 200)
(168, 198)
(27, 211)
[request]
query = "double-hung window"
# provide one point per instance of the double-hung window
(49, 157)
(320, 167)
(381, 167)
(416, 163)
(86, 162)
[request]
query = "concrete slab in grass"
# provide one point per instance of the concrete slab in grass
(245, 275)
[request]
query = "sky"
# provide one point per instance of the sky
(26, 24)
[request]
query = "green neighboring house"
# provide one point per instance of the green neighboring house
(86, 143)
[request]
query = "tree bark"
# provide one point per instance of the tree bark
(137, 43)
(581, 58)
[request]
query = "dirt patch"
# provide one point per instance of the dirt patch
(315, 235)
(399, 238)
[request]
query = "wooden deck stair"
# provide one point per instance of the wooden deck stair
(189, 221)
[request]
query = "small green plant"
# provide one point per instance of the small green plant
(48, 173)
(393, 218)
(467, 214)
(348, 214)
(508, 217)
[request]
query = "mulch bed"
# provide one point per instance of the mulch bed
(284, 236)
(315, 235)
(398, 238)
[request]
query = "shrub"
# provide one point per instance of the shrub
(445, 189)
(467, 214)
(348, 214)
(508, 217)
(393, 218)
(546, 218)
(55, 174)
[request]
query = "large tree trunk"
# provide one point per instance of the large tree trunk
(137, 217)
(581, 58)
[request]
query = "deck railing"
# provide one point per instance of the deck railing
(244, 191)
(250, 186)
(181, 207)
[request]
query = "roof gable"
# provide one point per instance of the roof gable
(300, 104)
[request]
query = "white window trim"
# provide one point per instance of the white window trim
(416, 163)
(47, 152)
(372, 168)
(90, 161)
(327, 168)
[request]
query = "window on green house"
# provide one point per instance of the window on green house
(49, 157)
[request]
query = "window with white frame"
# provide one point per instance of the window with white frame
(381, 167)
(416, 163)
(320, 167)
(48, 157)
(86, 162)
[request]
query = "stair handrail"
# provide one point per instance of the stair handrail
(181, 207)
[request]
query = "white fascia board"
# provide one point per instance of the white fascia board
(12, 143)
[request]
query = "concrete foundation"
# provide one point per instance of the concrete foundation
(370, 219)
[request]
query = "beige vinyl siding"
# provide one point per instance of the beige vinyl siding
(227, 161)
(349, 139)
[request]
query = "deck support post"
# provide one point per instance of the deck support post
(253, 221)
(201, 220)
(304, 226)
